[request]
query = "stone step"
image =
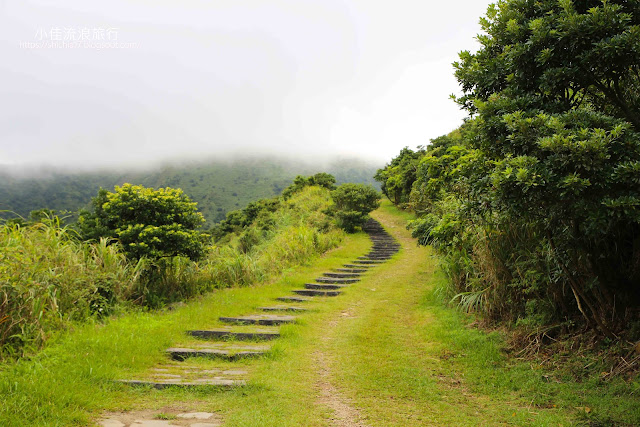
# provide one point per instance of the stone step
(343, 275)
(259, 319)
(352, 270)
(237, 334)
(317, 293)
(294, 299)
(186, 375)
(323, 286)
(282, 308)
(336, 280)
(367, 262)
(224, 352)
(375, 257)
(358, 266)
(205, 382)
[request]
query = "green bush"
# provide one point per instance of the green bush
(147, 222)
(352, 204)
(534, 201)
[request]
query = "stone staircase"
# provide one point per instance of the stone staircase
(200, 360)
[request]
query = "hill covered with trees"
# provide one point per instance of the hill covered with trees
(217, 186)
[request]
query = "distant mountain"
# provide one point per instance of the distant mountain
(217, 186)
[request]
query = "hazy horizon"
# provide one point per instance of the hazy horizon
(129, 84)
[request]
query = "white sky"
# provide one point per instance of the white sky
(302, 77)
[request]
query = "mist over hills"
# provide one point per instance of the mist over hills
(219, 186)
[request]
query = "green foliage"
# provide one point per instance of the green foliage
(283, 234)
(218, 186)
(237, 220)
(398, 176)
(47, 279)
(321, 179)
(534, 203)
(352, 204)
(147, 222)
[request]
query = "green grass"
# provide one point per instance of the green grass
(389, 346)
(72, 381)
(408, 360)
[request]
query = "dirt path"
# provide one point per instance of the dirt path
(344, 413)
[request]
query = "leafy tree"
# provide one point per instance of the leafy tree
(147, 222)
(557, 56)
(352, 204)
(555, 147)
(397, 178)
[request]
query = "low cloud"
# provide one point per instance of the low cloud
(134, 83)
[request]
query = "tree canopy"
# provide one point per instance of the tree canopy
(535, 200)
(147, 222)
(352, 204)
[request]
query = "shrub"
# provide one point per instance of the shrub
(352, 204)
(147, 222)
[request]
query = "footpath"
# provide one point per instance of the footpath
(246, 337)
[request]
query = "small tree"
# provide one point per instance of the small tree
(352, 204)
(147, 222)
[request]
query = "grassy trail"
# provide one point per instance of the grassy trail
(404, 360)
(385, 353)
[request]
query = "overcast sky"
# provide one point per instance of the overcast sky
(126, 82)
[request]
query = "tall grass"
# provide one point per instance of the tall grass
(300, 231)
(48, 279)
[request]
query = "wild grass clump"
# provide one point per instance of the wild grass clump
(48, 279)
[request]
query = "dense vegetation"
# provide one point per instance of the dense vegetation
(534, 202)
(146, 222)
(142, 246)
(218, 186)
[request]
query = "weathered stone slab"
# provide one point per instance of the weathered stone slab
(282, 308)
(352, 270)
(367, 262)
(336, 280)
(167, 384)
(343, 275)
(317, 292)
(225, 333)
(196, 415)
(179, 353)
(323, 286)
(259, 319)
(294, 299)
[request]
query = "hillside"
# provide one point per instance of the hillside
(218, 186)
(381, 351)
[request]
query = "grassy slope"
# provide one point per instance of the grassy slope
(70, 382)
(393, 351)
